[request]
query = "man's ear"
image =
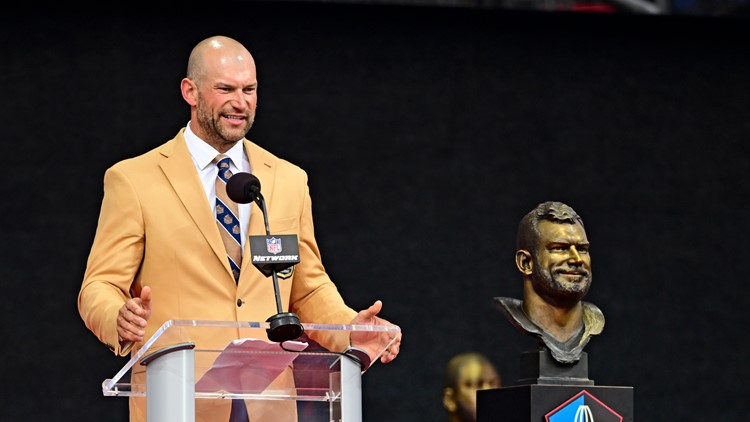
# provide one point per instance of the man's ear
(188, 89)
(449, 401)
(524, 262)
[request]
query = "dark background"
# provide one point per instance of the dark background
(427, 134)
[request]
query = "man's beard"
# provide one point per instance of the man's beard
(557, 290)
(217, 132)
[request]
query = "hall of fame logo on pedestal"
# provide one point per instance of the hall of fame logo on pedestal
(583, 407)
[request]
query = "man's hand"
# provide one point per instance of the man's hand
(373, 342)
(133, 316)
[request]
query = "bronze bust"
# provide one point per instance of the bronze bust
(552, 254)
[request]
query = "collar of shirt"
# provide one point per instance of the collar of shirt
(203, 153)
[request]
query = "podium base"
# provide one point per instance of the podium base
(540, 402)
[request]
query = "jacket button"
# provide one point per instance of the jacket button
(239, 302)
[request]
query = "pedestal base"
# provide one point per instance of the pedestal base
(538, 367)
(555, 403)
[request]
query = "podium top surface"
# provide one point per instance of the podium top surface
(235, 359)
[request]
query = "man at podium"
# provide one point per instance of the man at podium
(160, 254)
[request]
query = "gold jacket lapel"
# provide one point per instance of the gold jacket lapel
(179, 169)
(262, 166)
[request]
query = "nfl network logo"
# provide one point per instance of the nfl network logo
(583, 407)
(273, 245)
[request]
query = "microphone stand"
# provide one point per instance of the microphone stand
(284, 326)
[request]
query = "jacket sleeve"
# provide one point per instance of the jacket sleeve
(114, 259)
(314, 296)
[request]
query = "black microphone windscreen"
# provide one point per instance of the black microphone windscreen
(242, 187)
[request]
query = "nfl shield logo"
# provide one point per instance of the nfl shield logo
(273, 245)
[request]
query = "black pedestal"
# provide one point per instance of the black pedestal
(555, 403)
(538, 367)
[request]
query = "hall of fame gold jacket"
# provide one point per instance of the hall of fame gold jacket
(157, 229)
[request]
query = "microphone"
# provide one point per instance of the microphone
(244, 188)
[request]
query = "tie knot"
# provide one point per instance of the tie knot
(222, 161)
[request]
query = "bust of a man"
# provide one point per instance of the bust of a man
(553, 256)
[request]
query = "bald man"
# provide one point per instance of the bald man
(158, 252)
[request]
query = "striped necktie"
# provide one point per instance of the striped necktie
(226, 216)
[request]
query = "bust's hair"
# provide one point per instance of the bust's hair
(528, 229)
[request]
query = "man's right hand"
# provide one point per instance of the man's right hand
(133, 316)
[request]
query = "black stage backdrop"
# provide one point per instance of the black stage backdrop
(427, 134)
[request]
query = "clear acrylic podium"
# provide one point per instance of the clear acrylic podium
(188, 360)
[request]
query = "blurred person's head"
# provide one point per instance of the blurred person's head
(466, 373)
